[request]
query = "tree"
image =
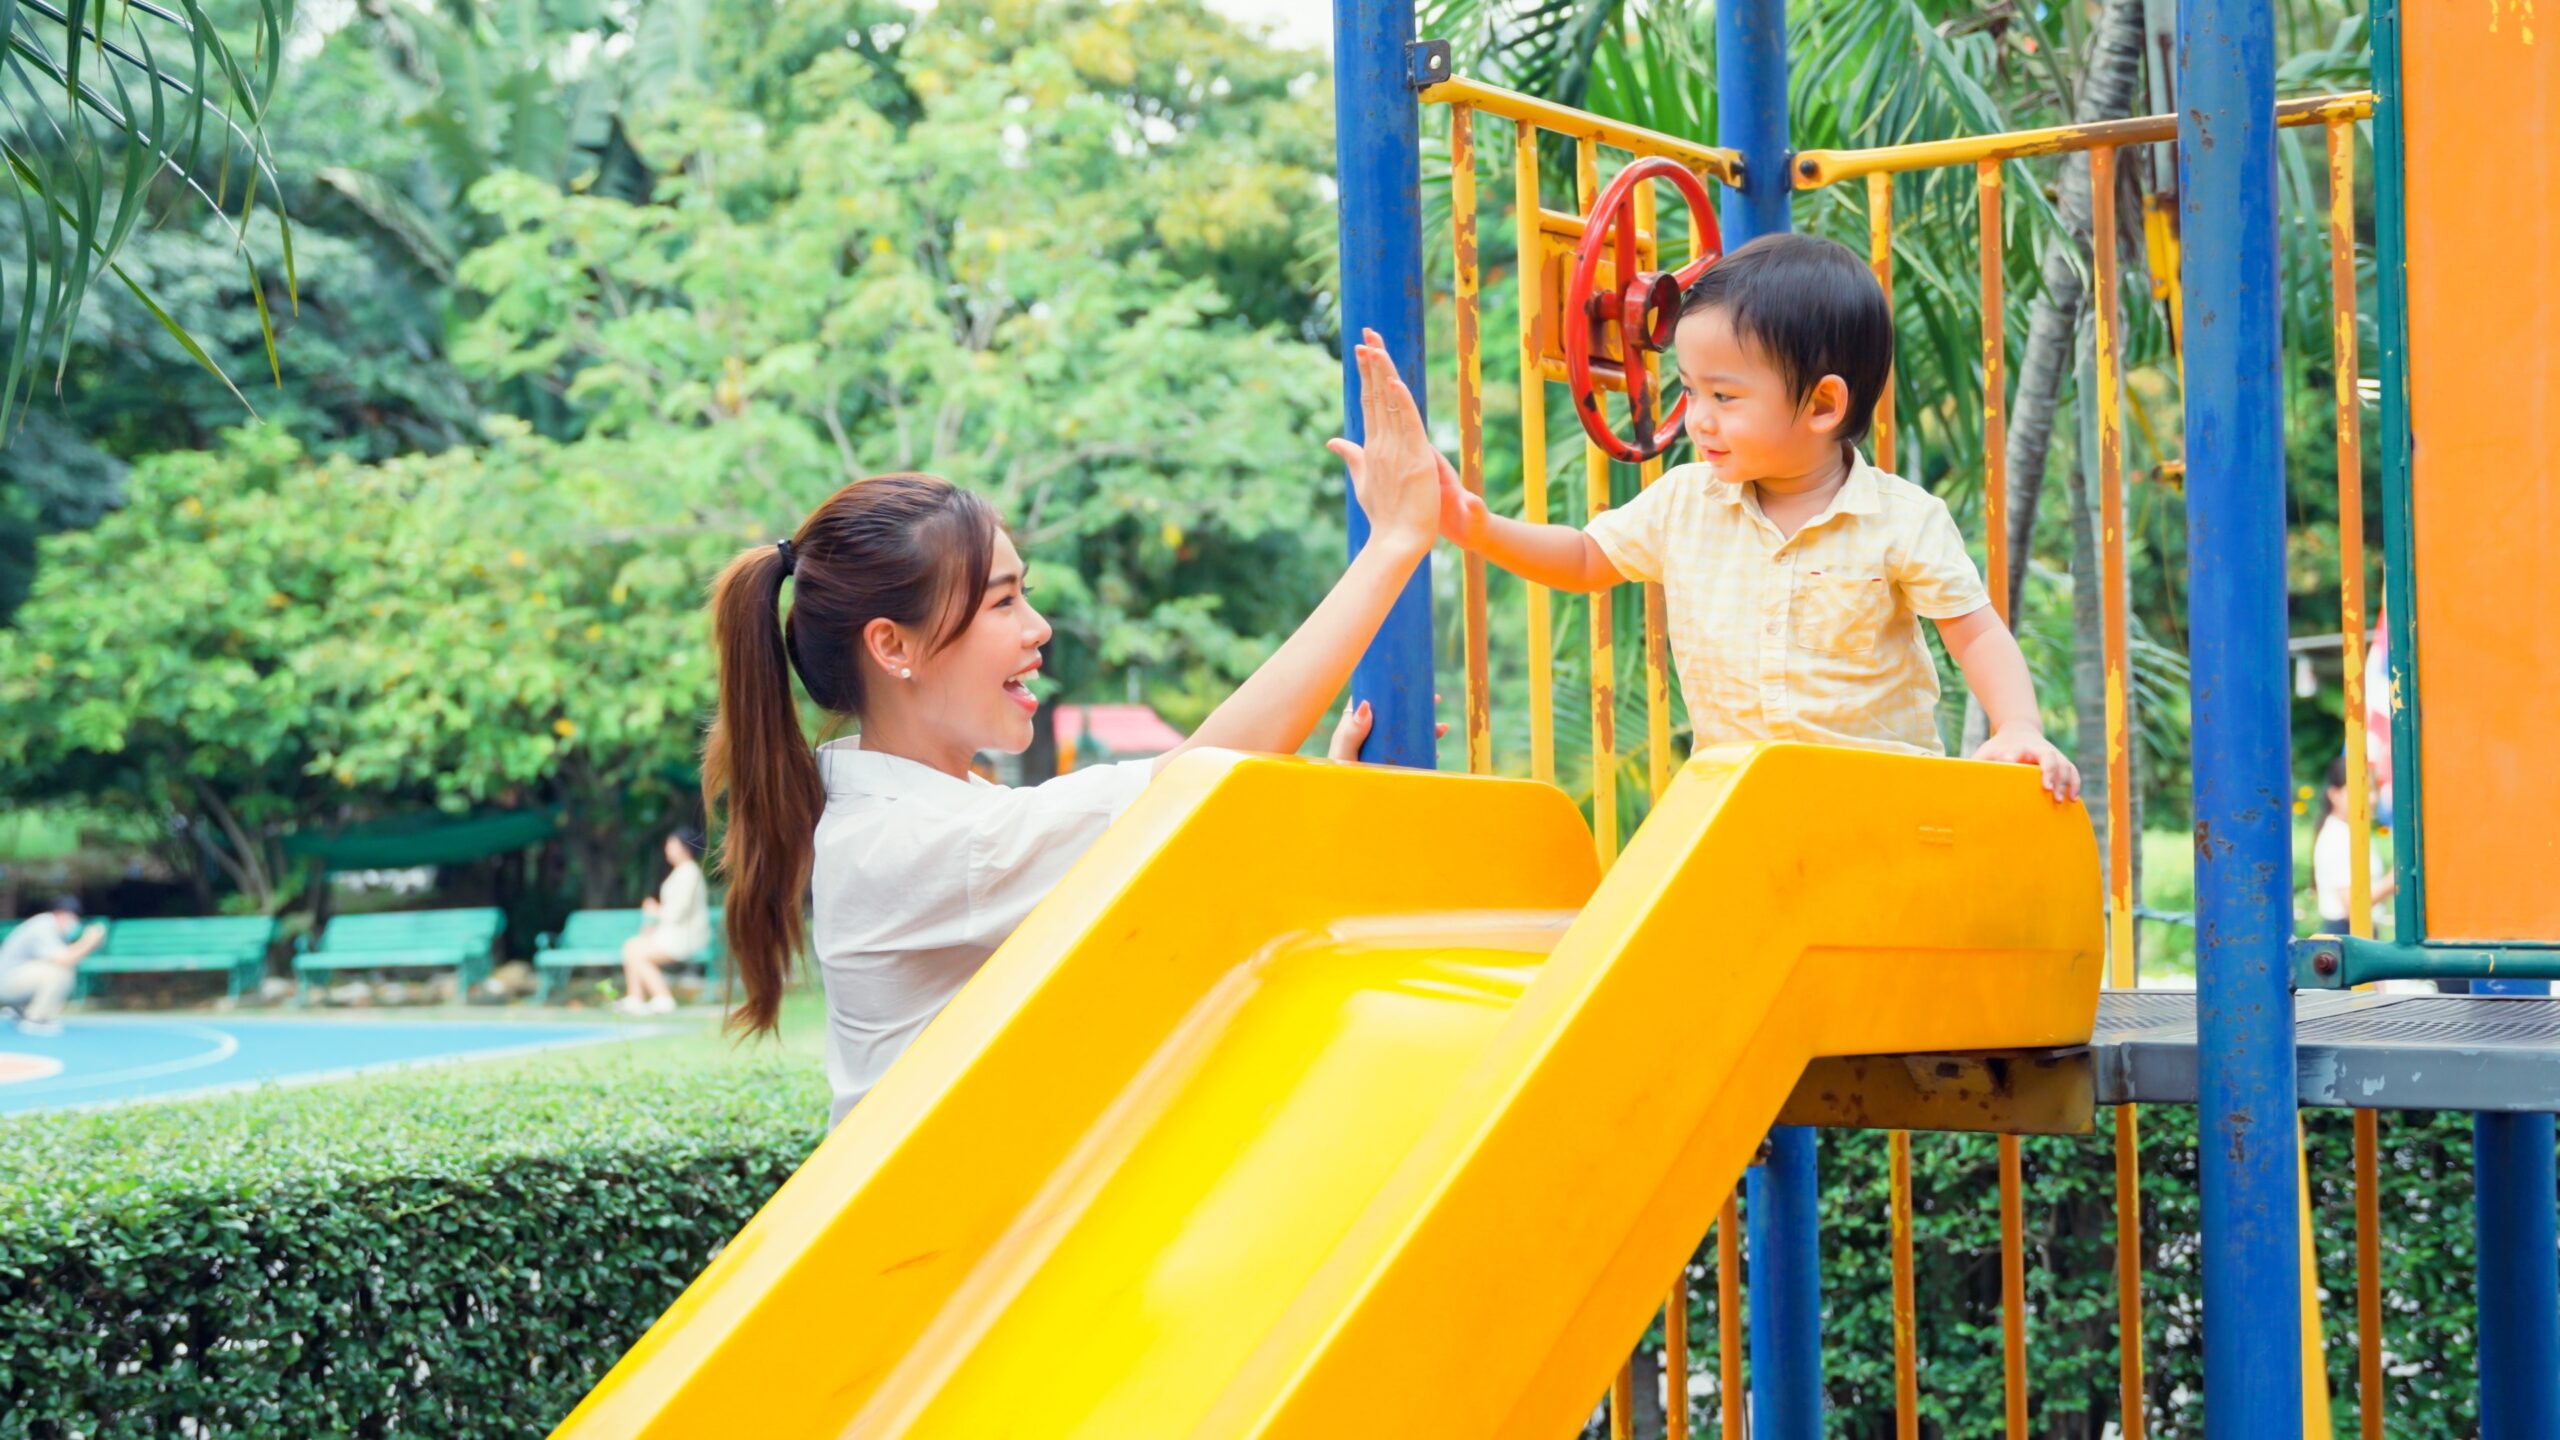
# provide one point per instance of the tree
(263, 640)
(1025, 286)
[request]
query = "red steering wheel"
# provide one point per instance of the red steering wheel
(1641, 314)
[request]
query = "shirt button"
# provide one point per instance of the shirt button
(1773, 627)
(1787, 559)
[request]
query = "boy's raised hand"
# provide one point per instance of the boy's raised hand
(1395, 473)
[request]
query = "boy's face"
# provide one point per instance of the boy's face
(1741, 419)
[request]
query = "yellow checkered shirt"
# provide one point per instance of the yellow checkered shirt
(1813, 638)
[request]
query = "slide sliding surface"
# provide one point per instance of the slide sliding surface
(1327, 1101)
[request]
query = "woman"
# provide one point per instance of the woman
(677, 928)
(911, 616)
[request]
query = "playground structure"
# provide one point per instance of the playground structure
(1412, 1131)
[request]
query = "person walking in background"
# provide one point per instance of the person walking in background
(678, 929)
(36, 964)
(2333, 859)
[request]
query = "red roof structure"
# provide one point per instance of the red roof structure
(1118, 732)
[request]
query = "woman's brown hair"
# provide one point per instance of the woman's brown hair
(911, 549)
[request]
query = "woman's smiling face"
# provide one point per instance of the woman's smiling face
(977, 687)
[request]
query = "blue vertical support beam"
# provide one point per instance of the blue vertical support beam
(1784, 1225)
(1378, 164)
(2518, 1221)
(2243, 784)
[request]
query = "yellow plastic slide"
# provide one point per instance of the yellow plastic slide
(1330, 1101)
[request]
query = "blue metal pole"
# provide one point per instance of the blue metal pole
(1784, 1224)
(1751, 116)
(1784, 1231)
(2515, 1179)
(2243, 803)
(1378, 163)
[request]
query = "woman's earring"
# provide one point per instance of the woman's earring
(906, 674)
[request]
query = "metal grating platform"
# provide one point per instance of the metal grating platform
(2362, 1051)
(2352, 1050)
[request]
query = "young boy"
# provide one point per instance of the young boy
(1795, 574)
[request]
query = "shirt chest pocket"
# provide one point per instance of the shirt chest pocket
(1841, 612)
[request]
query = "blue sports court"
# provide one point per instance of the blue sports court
(106, 1060)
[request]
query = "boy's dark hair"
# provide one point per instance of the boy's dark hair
(1812, 306)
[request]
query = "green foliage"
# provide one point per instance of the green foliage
(419, 1255)
(1038, 285)
(527, 632)
(1060, 277)
(109, 111)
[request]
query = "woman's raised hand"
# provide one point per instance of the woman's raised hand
(1395, 473)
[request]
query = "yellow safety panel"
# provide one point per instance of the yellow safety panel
(1319, 1102)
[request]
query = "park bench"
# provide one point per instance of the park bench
(234, 946)
(458, 940)
(592, 940)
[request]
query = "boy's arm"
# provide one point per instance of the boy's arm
(1556, 556)
(1988, 654)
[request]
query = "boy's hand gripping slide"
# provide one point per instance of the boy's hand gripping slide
(1641, 314)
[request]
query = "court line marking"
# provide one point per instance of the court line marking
(18, 1067)
(224, 1047)
(349, 1072)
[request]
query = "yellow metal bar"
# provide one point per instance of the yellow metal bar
(1817, 168)
(1604, 642)
(2369, 1404)
(1657, 640)
(1995, 386)
(1880, 259)
(2351, 622)
(2129, 1380)
(1622, 1403)
(1724, 166)
(1462, 226)
(2315, 1351)
(2122, 970)
(1906, 1310)
(1675, 1359)
(2111, 561)
(1533, 451)
(1729, 1405)
(2013, 1288)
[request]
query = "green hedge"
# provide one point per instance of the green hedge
(422, 1256)
(408, 1256)
(2070, 1259)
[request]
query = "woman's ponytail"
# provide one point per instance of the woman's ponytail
(758, 759)
(911, 549)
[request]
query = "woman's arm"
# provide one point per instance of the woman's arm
(1277, 707)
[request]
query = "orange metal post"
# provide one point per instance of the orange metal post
(1906, 1313)
(1675, 1359)
(2013, 1288)
(1906, 1325)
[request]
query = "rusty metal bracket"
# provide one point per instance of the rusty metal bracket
(2008, 1092)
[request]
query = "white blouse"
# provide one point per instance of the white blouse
(919, 876)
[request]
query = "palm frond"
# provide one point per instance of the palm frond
(93, 119)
